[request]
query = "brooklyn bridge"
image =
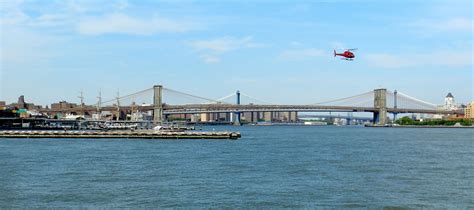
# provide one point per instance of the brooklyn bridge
(167, 102)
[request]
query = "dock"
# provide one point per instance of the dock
(140, 134)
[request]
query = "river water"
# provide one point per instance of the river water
(274, 166)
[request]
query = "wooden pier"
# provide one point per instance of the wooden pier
(146, 134)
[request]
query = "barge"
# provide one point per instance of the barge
(141, 134)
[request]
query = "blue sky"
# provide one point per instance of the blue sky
(279, 51)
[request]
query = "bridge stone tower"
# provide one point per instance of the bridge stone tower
(157, 104)
(380, 103)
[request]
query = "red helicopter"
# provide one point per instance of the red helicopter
(348, 55)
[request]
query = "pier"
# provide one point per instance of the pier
(147, 134)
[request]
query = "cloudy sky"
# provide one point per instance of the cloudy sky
(280, 51)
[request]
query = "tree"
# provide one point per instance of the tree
(405, 121)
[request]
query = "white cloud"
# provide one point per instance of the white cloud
(302, 54)
(296, 44)
(11, 13)
(453, 59)
(210, 58)
(10, 5)
(76, 7)
(82, 17)
(118, 23)
(452, 24)
(121, 4)
(51, 20)
(225, 44)
(212, 48)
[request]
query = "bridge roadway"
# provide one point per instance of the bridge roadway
(305, 116)
(209, 108)
(229, 108)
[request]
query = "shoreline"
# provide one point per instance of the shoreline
(416, 126)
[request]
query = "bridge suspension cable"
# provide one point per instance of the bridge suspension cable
(360, 100)
(363, 103)
(417, 100)
(361, 96)
(132, 95)
(255, 99)
(406, 101)
(192, 96)
(226, 97)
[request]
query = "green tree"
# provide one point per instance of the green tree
(405, 121)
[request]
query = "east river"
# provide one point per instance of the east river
(269, 167)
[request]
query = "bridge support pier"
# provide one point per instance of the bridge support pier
(395, 105)
(380, 103)
(157, 104)
(237, 120)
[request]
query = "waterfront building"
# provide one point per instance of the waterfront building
(223, 116)
(267, 116)
(204, 117)
(283, 116)
(249, 116)
(178, 117)
(293, 116)
(62, 105)
(195, 117)
(449, 103)
(8, 113)
(21, 104)
(96, 116)
(469, 111)
(3, 105)
(436, 116)
(214, 117)
(136, 116)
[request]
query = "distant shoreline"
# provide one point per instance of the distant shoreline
(417, 126)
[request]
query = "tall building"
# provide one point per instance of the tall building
(449, 103)
(469, 111)
(21, 102)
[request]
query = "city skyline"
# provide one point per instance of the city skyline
(50, 51)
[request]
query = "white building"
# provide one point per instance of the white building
(449, 104)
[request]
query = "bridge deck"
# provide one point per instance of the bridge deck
(223, 108)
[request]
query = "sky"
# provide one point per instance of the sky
(277, 51)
